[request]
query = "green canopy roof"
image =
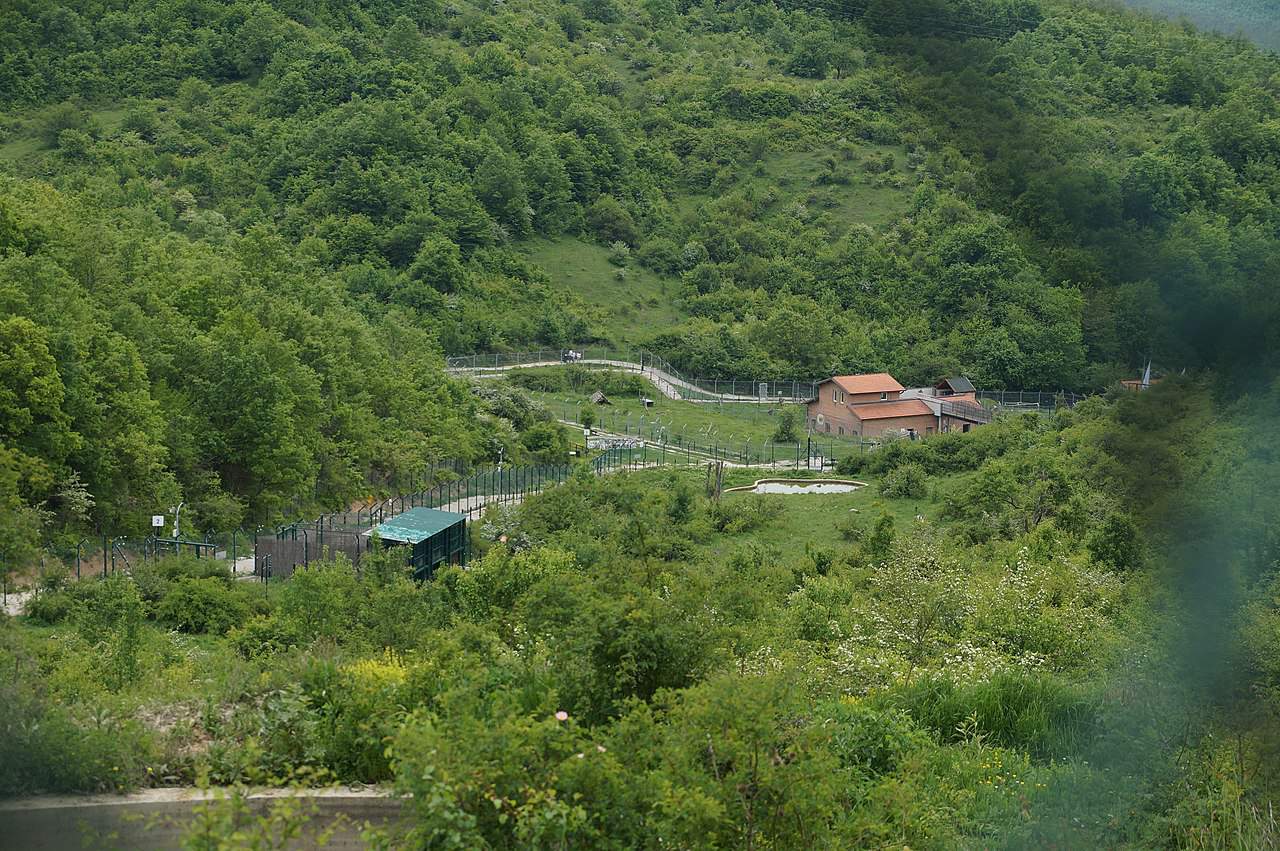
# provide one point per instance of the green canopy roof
(416, 524)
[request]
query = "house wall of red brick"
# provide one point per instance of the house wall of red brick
(922, 423)
(839, 421)
(835, 415)
(863, 398)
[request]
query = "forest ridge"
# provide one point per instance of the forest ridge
(237, 237)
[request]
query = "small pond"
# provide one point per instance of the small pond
(811, 486)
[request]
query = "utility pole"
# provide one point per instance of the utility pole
(176, 513)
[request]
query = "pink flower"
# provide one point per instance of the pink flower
(562, 715)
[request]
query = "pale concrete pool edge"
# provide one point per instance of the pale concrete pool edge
(794, 482)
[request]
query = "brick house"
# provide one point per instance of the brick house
(876, 404)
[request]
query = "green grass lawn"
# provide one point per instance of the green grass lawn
(734, 426)
(729, 424)
(20, 148)
(26, 140)
(816, 520)
(811, 519)
(867, 199)
(630, 310)
(627, 311)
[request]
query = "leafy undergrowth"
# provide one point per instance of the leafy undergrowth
(623, 659)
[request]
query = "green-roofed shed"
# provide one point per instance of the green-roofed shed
(434, 537)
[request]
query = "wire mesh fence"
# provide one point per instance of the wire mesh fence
(672, 382)
(1030, 399)
(465, 494)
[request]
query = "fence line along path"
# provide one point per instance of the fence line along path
(664, 377)
(670, 383)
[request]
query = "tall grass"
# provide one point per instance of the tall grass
(1013, 708)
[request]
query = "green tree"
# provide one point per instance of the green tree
(438, 264)
(611, 222)
(879, 544)
(110, 618)
(32, 420)
(786, 430)
(262, 409)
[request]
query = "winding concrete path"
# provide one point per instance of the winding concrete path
(669, 385)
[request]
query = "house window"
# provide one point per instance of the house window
(841, 430)
(828, 428)
(966, 427)
(835, 395)
(884, 396)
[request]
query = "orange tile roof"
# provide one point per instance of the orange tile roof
(887, 410)
(874, 382)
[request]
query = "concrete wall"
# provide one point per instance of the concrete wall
(158, 818)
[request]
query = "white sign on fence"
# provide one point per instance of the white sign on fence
(157, 520)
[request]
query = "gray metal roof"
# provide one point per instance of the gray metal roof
(959, 384)
(415, 525)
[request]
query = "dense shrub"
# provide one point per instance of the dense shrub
(322, 601)
(156, 578)
(109, 615)
(736, 516)
(44, 748)
(867, 739)
(202, 605)
(579, 379)
(1117, 543)
(50, 608)
(264, 635)
(511, 404)
(905, 482)
(661, 255)
(786, 430)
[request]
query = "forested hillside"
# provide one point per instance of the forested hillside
(249, 230)
(238, 239)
